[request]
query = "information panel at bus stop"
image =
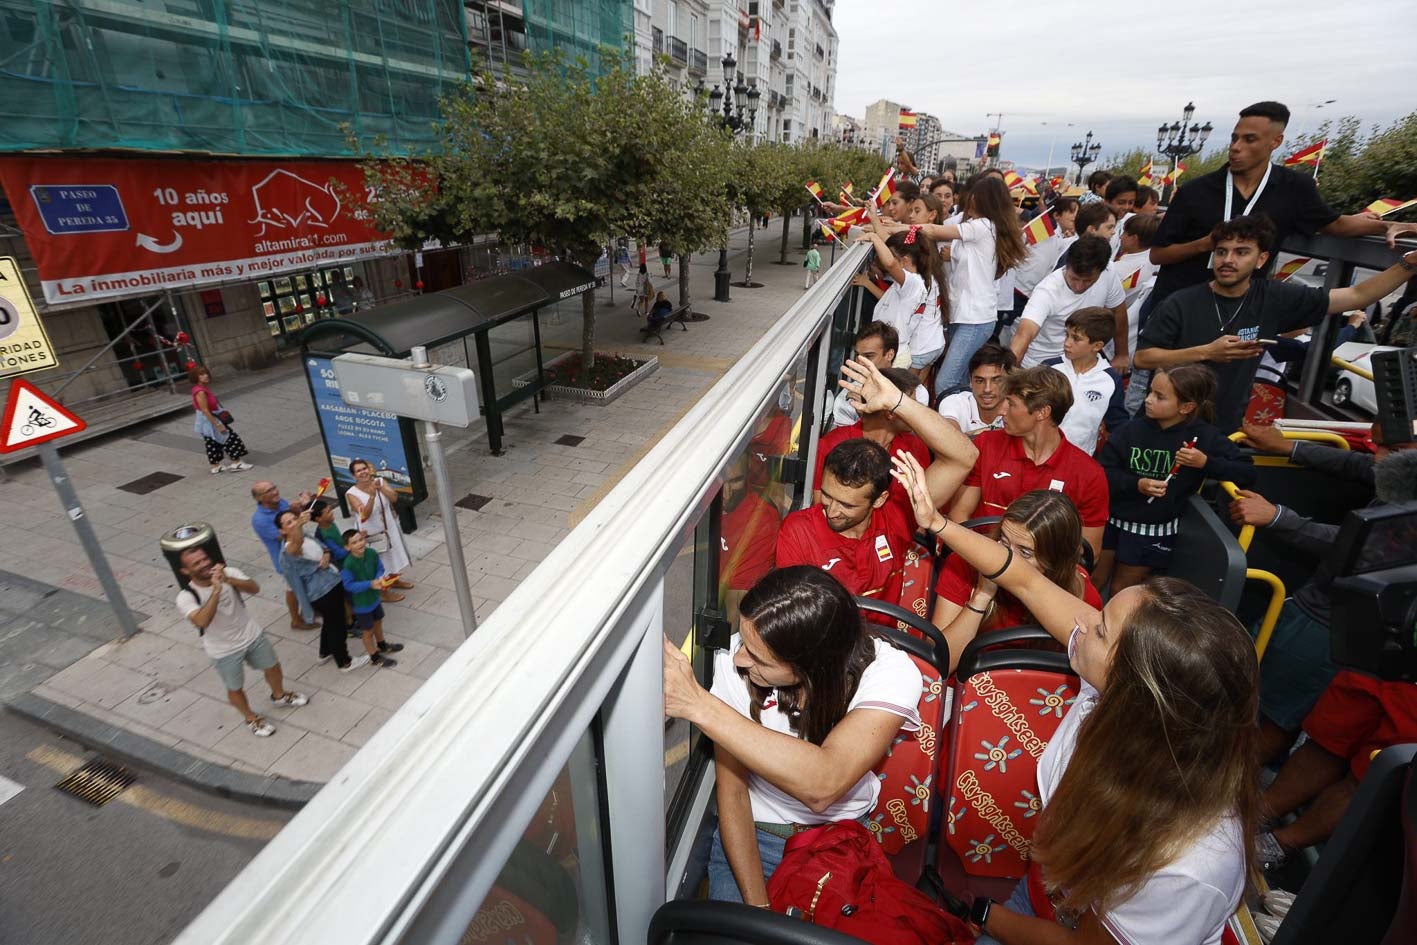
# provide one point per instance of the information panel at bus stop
(353, 433)
(24, 344)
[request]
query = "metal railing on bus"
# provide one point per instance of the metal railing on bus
(560, 687)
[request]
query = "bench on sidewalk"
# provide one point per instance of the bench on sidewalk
(679, 316)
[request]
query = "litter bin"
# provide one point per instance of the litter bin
(193, 535)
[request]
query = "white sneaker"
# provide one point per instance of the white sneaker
(290, 700)
(261, 728)
(1277, 902)
(238, 467)
(357, 663)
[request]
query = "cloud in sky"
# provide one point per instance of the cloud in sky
(1071, 61)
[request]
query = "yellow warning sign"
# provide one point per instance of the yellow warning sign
(24, 345)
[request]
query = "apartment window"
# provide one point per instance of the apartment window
(672, 18)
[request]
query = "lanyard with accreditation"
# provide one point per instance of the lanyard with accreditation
(1230, 202)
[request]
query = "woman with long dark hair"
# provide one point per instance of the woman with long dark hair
(1041, 527)
(804, 704)
(1150, 785)
(911, 304)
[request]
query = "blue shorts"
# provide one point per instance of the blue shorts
(260, 654)
(1018, 904)
(1151, 551)
(1296, 668)
(366, 621)
(722, 885)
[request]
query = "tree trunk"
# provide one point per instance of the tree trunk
(786, 227)
(807, 216)
(587, 330)
(748, 273)
(684, 279)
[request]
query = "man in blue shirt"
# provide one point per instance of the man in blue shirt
(269, 504)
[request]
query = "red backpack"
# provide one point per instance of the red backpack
(836, 876)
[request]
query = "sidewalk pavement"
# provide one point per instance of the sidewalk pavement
(155, 699)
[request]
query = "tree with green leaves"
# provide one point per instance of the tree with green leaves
(563, 158)
(1357, 170)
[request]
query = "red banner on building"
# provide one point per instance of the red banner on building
(107, 227)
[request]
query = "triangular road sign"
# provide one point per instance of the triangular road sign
(32, 418)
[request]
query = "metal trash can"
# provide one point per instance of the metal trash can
(193, 535)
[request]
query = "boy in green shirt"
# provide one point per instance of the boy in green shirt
(363, 576)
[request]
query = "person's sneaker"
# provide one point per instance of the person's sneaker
(356, 635)
(1268, 851)
(379, 659)
(359, 661)
(386, 647)
(261, 728)
(290, 699)
(324, 659)
(302, 625)
(239, 467)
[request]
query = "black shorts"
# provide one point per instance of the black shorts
(367, 621)
(1151, 551)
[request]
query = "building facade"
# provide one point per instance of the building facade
(882, 125)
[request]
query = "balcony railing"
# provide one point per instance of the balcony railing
(658, 40)
(698, 61)
(678, 50)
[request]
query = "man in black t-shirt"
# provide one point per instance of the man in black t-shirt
(1227, 322)
(1289, 199)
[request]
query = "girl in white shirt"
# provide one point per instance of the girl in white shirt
(909, 305)
(1150, 784)
(804, 704)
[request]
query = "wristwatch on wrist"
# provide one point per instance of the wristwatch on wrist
(979, 912)
(1402, 261)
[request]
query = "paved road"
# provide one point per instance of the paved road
(134, 871)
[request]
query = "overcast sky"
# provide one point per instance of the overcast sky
(1120, 71)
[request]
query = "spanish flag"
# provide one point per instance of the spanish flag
(885, 189)
(1012, 180)
(827, 232)
(815, 190)
(907, 120)
(1030, 185)
(846, 188)
(1313, 154)
(1174, 175)
(845, 221)
(1385, 205)
(1057, 182)
(1039, 229)
(1144, 175)
(1132, 281)
(994, 140)
(1291, 267)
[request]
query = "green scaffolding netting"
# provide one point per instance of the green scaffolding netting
(578, 27)
(278, 77)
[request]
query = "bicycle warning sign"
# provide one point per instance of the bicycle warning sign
(24, 344)
(32, 418)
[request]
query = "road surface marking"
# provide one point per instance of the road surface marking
(168, 808)
(9, 789)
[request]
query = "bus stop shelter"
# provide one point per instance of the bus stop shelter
(458, 326)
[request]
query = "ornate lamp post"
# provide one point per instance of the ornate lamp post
(1085, 152)
(729, 103)
(1181, 139)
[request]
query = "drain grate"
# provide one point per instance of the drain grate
(150, 483)
(472, 501)
(570, 439)
(97, 782)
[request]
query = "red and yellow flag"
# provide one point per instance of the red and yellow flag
(1313, 154)
(1144, 175)
(1039, 229)
(1030, 185)
(1056, 182)
(1132, 281)
(1385, 205)
(908, 120)
(827, 232)
(1291, 267)
(994, 140)
(1173, 175)
(1012, 180)
(845, 221)
(885, 190)
(815, 189)
(846, 188)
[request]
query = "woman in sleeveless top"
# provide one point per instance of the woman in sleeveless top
(371, 499)
(216, 433)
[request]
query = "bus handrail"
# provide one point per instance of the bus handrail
(1350, 366)
(1247, 533)
(1277, 594)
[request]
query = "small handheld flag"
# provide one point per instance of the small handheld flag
(1176, 466)
(1174, 175)
(815, 190)
(1313, 154)
(1132, 281)
(322, 487)
(995, 139)
(1385, 205)
(1012, 180)
(1291, 267)
(885, 190)
(1039, 229)
(846, 190)
(908, 120)
(1144, 175)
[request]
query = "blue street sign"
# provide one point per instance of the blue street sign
(80, 208)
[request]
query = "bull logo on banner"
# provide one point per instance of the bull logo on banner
(287, 200)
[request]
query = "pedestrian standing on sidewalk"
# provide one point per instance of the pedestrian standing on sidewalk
(364, 577)
(372, 501)
(666, 257)
(212, 601)
(318, 587)
(269, 504)
(813, 262)
(213, 424)
(322, 513)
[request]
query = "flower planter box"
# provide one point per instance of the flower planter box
(650, 365)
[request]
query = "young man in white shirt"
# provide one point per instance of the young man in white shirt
(212, 601)
(1097, 389)
(877, 343)
(980, 407)
(1085, 282)
(1135, 270)
(1121, 196)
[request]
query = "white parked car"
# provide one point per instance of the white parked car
(1353, 389)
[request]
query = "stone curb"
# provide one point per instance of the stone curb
(146, 753)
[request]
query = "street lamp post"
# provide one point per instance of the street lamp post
(1181, 139)
(1085, 152)
(728, 104)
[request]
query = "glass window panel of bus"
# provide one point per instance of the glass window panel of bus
(552, 890)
